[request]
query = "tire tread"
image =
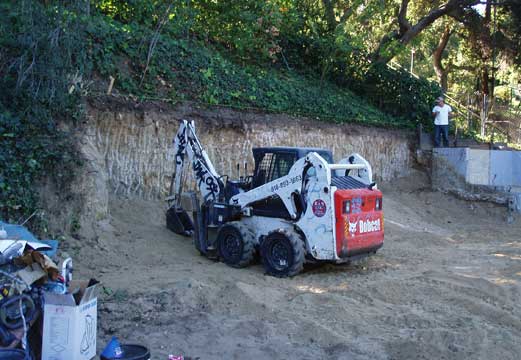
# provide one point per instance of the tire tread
(248, 250)
(299, 252)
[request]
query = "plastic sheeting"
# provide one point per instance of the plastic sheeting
(18, 232)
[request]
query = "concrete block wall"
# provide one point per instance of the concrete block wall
(516, 167)
(497, 168)
(478, 174)
(501, 169)
(456, 157)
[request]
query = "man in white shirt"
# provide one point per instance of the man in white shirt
(441, 113)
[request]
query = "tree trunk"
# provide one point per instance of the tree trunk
(484, 80)
(485, 58)
(329, 13)
(379, 56)
(330, 16)
(486, 54)
(441, 71)
(444, 81)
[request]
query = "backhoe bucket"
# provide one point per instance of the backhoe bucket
(179, 222)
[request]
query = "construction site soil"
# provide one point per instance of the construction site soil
(446, 285)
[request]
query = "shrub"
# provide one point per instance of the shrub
(42, 69)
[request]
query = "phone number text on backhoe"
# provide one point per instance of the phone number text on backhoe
(281, 185)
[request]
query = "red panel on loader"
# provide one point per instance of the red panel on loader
(359, 221)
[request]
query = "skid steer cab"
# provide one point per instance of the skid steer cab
(297, 206)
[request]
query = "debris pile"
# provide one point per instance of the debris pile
(32, 279)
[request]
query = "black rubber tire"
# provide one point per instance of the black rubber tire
(282, 253)
(236, 244)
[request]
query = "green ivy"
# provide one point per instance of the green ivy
(43, 70)
(189, 69)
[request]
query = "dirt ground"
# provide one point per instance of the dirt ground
(446, 285)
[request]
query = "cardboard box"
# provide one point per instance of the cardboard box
(69, 324)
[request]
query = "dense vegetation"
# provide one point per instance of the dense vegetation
(187, 70)
(34, 97)
(322, 58)
(251, 54)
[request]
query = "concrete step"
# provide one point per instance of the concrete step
(471, 143)
(426, 142)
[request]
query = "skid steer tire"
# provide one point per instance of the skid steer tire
(282, 253)
(236, 244)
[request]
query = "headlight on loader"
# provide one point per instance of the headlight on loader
(347, 206)
(378, 204)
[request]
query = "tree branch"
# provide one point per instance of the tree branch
(350, 10)
(153, 42)
(404, 24)
(480, 35)
(435, 14)
(407, 31)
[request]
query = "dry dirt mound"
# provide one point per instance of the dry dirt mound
(445, 285)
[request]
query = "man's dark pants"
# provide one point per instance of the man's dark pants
(441, 131)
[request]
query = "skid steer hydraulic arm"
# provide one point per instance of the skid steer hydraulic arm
(288, 188)
(187, 145)
(208, 180)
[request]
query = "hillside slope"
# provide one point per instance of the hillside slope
(179, 69)
(55, 56)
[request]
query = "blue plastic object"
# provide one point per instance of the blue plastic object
(55, 287)
(112, 350)
(131, 352)
(19, 232)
